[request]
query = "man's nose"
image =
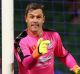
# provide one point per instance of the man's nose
(35, 19)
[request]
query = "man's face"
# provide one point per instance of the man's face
(35, 20)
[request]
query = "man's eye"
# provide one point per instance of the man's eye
(31, 16)
(38, 16)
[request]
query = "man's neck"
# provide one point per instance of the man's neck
(36, 33)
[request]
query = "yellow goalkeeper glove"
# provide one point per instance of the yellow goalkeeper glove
(41, 48)
(76, 69)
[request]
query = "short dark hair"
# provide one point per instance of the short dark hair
(34, 6)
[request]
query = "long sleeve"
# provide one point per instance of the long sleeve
(69, 61)
(63, 54)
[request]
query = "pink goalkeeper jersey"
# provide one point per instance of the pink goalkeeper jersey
(45, 64)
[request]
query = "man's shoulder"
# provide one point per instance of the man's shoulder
(21, 36)
(48, 30)
(51, 32)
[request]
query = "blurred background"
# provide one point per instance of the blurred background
(61, 15)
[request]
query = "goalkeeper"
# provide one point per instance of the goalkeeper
(36, 47)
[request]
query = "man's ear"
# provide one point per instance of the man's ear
(44, 19)
(25, 17)
(26, 20)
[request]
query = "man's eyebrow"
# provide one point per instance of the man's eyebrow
(30, 14)
(33, 14)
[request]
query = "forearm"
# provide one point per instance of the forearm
(29, 62)
(69, 61)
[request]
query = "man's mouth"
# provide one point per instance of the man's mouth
(34, 24)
